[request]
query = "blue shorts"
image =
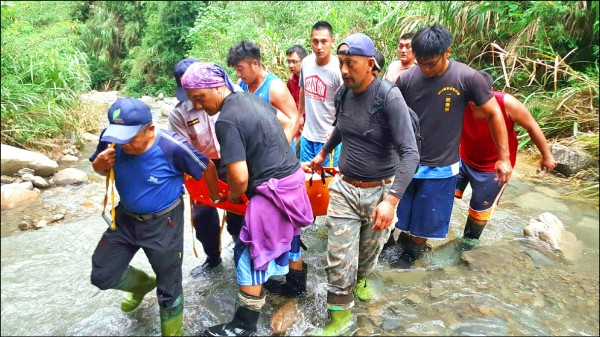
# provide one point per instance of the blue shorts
(486, 191)
(426, 207)
(247, 276)
(308, 150)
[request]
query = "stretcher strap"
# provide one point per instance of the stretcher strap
(110, 180)
(192, 222)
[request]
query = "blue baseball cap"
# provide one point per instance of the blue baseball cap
(126, 117)
(180, 69)
(359, 44)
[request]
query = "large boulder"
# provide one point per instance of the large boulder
(13, 159)
(571, 160)
(13, 195)
(546, 227)
(69, 176)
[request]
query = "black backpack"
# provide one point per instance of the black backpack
(379, 106)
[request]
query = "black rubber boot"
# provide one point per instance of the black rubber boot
(412, 251)
(294, 285)
(471, 236)
(243, 324)
(403, 239)
(210, 265)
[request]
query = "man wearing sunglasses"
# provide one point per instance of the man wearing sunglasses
(438, 90)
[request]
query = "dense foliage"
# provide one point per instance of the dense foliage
(43, 69)
(543, 52)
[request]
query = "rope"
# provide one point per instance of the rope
(110, 180)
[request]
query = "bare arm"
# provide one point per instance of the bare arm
(493, 114)
(237, 179)
(519, 114)
(212, 181)
(301, 106)
(282, 100)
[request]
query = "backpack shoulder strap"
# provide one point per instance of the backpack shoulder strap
(384, 88)
(338, 100)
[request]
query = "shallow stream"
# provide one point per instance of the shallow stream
(519, 286)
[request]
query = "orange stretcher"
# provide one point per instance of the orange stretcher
(318, 190)
(198, 191)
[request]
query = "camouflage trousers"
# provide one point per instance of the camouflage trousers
(353, 247)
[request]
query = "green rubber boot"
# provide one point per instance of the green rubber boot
(171, 319)
(341, 324)
(137, 284)
(362, 291)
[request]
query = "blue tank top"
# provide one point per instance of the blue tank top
(263, 90)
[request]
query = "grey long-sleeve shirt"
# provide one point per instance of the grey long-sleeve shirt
(376, 145)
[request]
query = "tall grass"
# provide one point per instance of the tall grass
(43, 71)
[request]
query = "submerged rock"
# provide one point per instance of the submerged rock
(284, 318)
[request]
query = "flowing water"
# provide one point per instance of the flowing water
(517, 287)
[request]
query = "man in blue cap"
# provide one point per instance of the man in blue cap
(198, 128)
(148, 165)
(376, 164)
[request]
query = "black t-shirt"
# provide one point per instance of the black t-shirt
(440, 103)
(248, 130)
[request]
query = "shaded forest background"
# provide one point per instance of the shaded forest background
(543, 52)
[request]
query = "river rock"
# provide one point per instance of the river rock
(548, 228)
(160, 97)
(88, 137)
(488, 257)
(16, 194)
(25, 170)
(538, 258)
(56, 217)
(166, 109)
(485, 326)
(572, 160)
(147, 99)
(285, 317)
(69, 176)
(69, 159)
(37, 181)
(41, 224)
(7, 179)
(106, 97)
(541, 202)
(436, 291)
(13, 158)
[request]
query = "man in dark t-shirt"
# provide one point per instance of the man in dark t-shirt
(261, 164)
(376, 164)
(438, 90)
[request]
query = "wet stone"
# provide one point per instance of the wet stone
(285, 317)
(391, 323)
(436, 291)
(539, 302)
(486, 326)
(414, 299)
(485, 310)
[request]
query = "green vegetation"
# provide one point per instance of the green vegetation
(543, 52)
(43, 69)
